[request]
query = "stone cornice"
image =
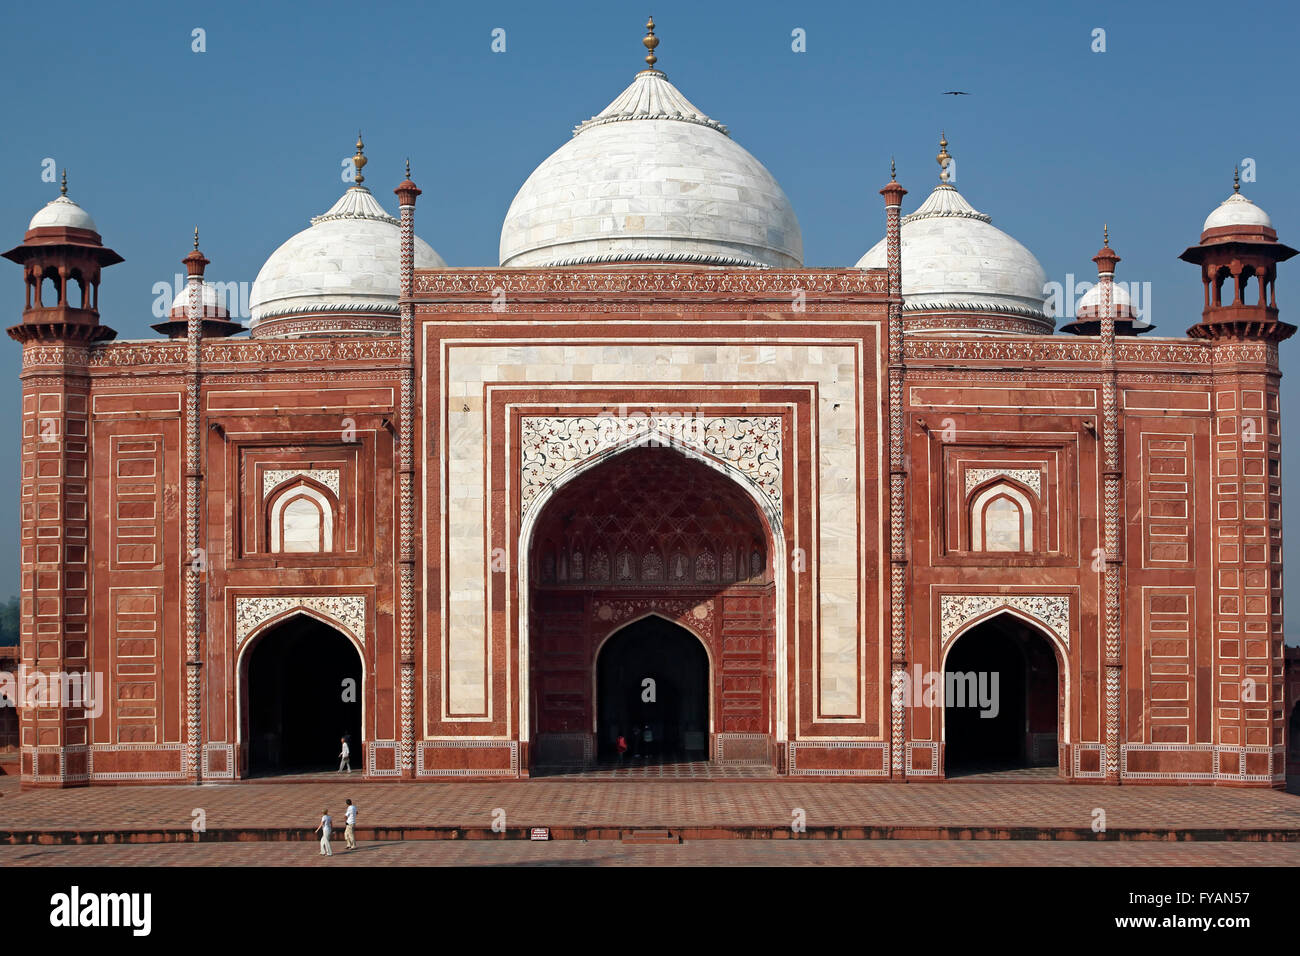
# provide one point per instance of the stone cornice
(661, 284)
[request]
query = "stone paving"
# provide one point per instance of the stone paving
(691, 853)
(648, 803)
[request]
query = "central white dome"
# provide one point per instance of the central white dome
(651, 178)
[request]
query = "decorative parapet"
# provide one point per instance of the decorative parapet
(642, 282)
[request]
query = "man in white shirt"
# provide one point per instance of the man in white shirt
(345, 755)
(351, 820)
(325, 826)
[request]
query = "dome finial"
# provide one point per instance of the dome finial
(1236, 179)
(1105, 235)
(359, 159)
(893, 178)
(196, 238)
(651, 41)
(408, 167)
(943, 158)
(63, 187)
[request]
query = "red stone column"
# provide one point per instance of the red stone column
(407, 192)
(54, 628)
(894, 193)
(1247, 532)
(197, 564)
(1112, 528)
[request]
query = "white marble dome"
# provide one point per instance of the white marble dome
(213, 306)
(1119, 297)
(347, 263)
(651, 178)
(1237, 210)
(956, 262)
(62, 213)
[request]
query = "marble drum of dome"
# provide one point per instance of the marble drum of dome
(651, 179)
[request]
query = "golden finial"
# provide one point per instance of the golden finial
(408, 167)
(63, 188)
(892, 177)
(943, 158)
(196, 238)
(1105, 235)
(1236, 179)
(359, 160)
(651, 41)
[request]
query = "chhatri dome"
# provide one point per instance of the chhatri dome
(1236, 212)
(340, 275)
(651, 179)
(62, 213)
(960, 272)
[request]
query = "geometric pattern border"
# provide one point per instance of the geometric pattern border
(882, 746)
(421, 771)
(1051, 610)
(552, 447)
(348, 610)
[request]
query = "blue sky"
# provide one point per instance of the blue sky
(246, 139)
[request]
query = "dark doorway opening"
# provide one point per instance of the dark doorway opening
(304, 694)
(654, 674)
(1001, 700)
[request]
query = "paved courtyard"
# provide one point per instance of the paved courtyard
(691, 853)
(648, 803)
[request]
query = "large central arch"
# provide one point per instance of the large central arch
(651, 530)
(1005, 685)
(301, 689)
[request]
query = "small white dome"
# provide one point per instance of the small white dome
(347, 262)
(1118, 296)
(212, 306)
(62, 213)
(1237, 210)
(651, 178)
(955, 260)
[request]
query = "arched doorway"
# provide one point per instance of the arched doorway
(651, 530)
(653, 673)
(304, 693)
(1002, 699)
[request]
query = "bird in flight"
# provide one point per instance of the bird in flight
(955, 93)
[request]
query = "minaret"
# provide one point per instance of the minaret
(407, 193)
(894, 193)
(1238, 255)
(195, 567)
(61, 255)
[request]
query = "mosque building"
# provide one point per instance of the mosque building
(650, 477)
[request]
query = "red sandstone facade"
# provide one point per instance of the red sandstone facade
(483, 542)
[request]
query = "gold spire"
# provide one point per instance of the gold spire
(892, 177)
(63, 188)
(943, 158)
(651, 41)
(196, 238)
(359, 160)
(1236, 179)
(408, 167)
(1105, 235)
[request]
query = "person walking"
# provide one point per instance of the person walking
(325, 826)
(621, 747)
(350, 818)
(345, 755)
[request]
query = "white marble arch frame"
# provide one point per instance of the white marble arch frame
(1001, 486)
(767, 510)
(255, 637)
(301, 486)
(600, 646)
(1059, 647)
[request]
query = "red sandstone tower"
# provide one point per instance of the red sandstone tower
(61, 255)
(1238, 255)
